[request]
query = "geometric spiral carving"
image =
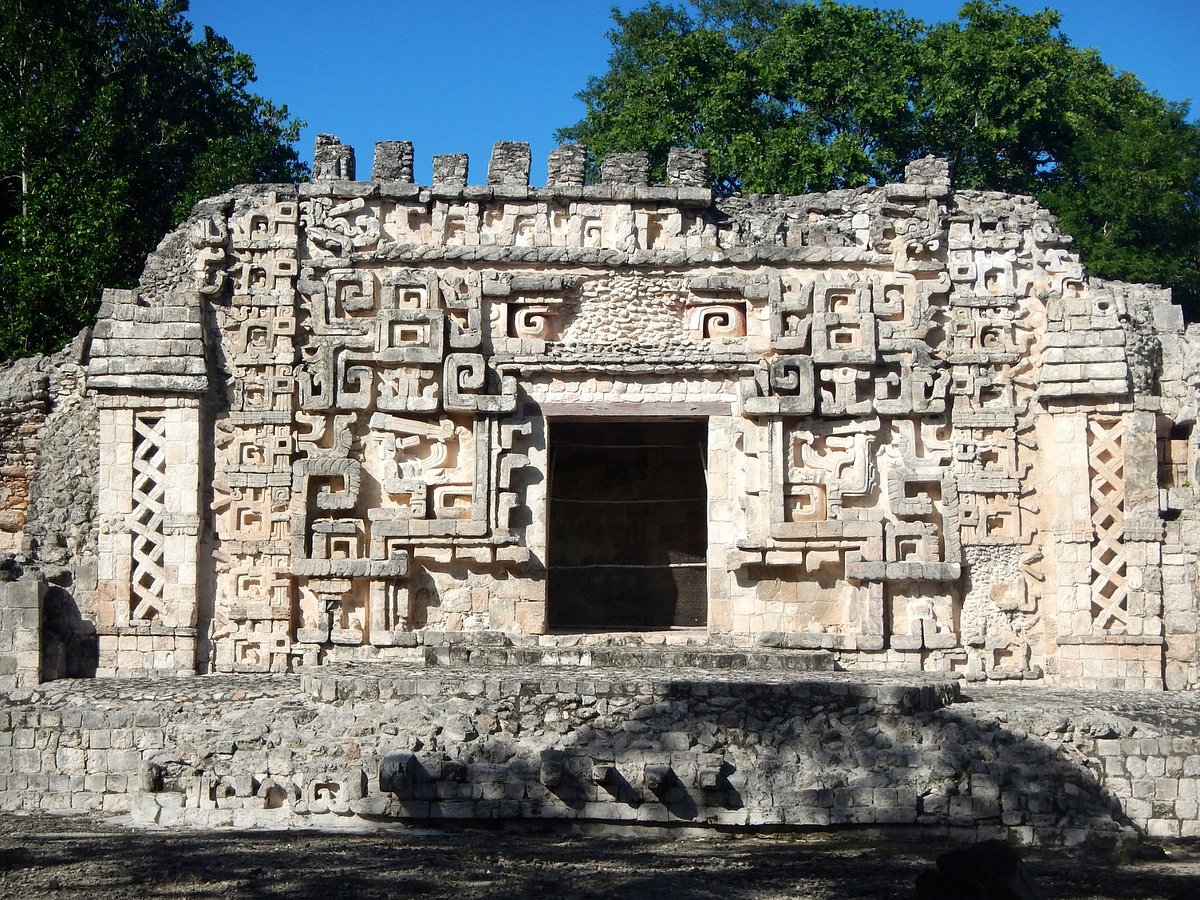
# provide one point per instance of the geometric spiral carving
(726, 320)
(149, 475)
(1106, 460)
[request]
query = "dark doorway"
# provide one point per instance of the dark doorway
(628, 525)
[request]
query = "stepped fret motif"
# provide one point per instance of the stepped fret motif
(913, 432)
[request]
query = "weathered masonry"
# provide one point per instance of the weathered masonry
(893, 423)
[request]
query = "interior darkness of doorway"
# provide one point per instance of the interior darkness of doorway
(628, 528)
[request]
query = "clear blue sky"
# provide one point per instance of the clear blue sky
(455, 76)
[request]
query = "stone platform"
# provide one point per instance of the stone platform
(714, 737)
(656, 651)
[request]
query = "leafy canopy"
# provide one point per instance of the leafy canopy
(812, 95)
(113, 122)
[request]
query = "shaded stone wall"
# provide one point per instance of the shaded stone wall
(770, 749)
(23, 401)
(48, 531)
(1178, 483)
(20, 630)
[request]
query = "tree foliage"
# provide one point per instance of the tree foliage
(113, 122)
(793, 96)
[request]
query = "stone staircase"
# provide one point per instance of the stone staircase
(648, 667)
(657, 659)
(654, 651)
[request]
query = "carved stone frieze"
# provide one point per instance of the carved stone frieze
(925, 437)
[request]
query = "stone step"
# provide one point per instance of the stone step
(881, 692)
(651, 658)
(659, 651)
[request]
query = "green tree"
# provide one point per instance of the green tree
(806, 95)
(1128, 189)
(113, 122)
(784, 97)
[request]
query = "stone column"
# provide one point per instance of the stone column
(1103, 502)
(149, 403)
(21, 631)
(332, 160)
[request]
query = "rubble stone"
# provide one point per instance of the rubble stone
(393, 162)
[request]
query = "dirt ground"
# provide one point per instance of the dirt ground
(44, 857)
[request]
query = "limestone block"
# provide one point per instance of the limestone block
(393, 162)
(509, 164)
(450, 169)
(332, 160)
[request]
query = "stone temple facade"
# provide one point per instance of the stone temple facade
(896, 424)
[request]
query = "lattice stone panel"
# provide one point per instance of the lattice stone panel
(147, 577)
(1106, 463)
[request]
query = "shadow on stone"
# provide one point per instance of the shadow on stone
(990, 870)
(70, 646)
(491, 863)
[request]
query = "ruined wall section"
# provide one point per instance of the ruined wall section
(48, 457)
(62, 526)
(1179, 380)
(24, 399)
(61, 537)
(348, 745)
(48, 441)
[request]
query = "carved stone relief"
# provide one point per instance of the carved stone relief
(927, 440)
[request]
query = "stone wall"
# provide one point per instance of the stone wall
(49, 526)
(48, 458)
(325, 420)
(1157, 781)
(20, 630)
(63, 521)
(23, 401)
(772, 749)
(1179, 478)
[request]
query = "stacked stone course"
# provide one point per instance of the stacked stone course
(21, 631)
(770, 749)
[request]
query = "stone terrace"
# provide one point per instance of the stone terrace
(760, 739)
